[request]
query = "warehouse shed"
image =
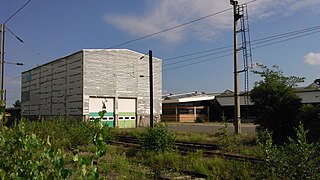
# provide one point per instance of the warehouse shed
(187, 107)
(79, 84)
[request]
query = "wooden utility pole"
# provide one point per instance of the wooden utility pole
(151, 87)
(237, 115)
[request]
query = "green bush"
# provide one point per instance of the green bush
(66, 132)
(227, 141)
(276, 103)
(310, 116)
(297, 159)
(157, 139)
(200, 118)
(24, 156)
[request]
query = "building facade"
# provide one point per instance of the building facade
(187, 107)
(79, 84)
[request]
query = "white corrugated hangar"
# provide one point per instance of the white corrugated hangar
(77, 85)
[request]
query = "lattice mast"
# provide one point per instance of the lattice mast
(245, 48)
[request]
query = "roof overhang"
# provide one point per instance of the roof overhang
(189, 99)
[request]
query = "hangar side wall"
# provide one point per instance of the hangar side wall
(121, 74)
(53, 89)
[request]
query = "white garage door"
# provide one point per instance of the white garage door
(95, 106)
(127, 113)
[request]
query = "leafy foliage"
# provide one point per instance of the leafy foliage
(297, 159)
(227, 141)
(68, 132)
(201, 118)
(157, 139)
(276, 103)
(310, 116)
(24, 155)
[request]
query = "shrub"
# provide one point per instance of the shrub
(276, 103)
(297, 159)
(24, 156)
(310, 116)
(227, 141)
(68, 132)
(201, 118)
(157, 139)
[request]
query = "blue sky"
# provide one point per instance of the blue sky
(52, 29)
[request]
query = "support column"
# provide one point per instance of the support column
(237, 116)
(2, 62)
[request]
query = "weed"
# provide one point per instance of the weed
(157, 139)
(297, 159)
(227, 141)
(201, 118)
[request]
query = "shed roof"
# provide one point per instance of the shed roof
(188, 97)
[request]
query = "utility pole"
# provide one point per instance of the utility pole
(237, 115)
(2, 49)
(151, 87)
(2, 62)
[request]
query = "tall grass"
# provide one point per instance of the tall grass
(63, 148)
(66, 132)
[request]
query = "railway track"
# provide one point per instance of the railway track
(186, 147)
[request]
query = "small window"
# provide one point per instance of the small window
(120, 117)
(110, 118)
(126, 118)
(133, 117)
(104, 119)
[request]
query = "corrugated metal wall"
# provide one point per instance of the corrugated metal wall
(63, 86)
(117, 73)
(54, 88)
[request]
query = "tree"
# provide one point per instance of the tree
(17, 103)
(276, 103)
(310, 117)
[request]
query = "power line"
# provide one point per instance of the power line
(276, 42)
(199, 57)
(17, 11)
(286, 39)
(200, 52)
(12, 79)
(175, 27)
(198, 62)
(253, 42)
(170, 28)
(286, 34)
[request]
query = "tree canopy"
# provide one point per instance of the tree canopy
(276, 102)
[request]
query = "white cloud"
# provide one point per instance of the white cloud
(163, 14)
(312, 58)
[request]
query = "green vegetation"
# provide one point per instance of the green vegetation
(276, 103)
(297, 159)
(279, 109)
(68, 149)
(201, 118)
(227, 141)
(157, 139)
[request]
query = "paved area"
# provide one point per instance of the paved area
(210, 128)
